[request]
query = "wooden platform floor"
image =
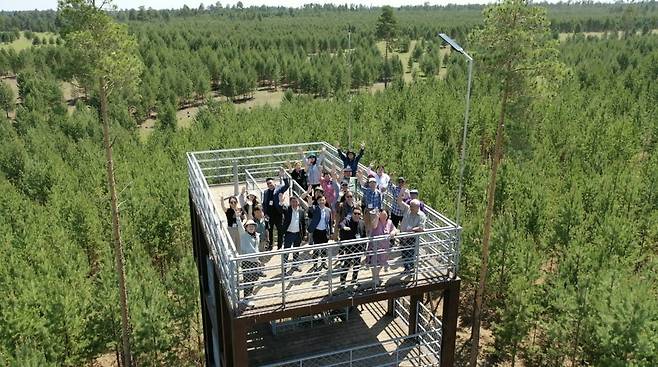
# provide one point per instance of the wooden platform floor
(369, 325)
(309, 285)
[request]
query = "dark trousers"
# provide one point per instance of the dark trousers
(276, 221)
(250, 271)
(353, 261)
(409, 252)
(320, 236)
(396, 219)
(292, 240)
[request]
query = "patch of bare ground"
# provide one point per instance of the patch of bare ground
(105, 360)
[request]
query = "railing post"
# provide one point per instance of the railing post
(236, 186)
(236, 280)
(416, 256)
(375, 248)
(283, 281)
(330, 271)
(351, 357)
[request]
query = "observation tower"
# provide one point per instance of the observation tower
(306, 318)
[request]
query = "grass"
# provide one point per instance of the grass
(22, 43)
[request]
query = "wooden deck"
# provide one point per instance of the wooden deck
(368, 325)
(309, 286)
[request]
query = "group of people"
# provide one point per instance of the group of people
(332, 213)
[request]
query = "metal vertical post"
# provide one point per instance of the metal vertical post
(330, 271)
(236, 181)
(283, 281)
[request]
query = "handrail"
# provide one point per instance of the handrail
(338, 244)
(397, 340)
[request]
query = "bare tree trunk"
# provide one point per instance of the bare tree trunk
(386, 61)
(488, 217)
(116, 229)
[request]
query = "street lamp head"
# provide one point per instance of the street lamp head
(451, 42)
(455, 45)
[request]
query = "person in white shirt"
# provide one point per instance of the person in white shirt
(320, 228)
(294, 223)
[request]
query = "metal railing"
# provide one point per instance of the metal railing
(432, 254)
(412, 349)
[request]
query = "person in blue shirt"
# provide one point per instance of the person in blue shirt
(350, 159)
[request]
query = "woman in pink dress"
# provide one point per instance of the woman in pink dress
(379, 250)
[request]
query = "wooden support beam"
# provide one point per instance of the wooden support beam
(226, 333)
(413, 313)
(240, 355)
(449, 324)
(390, 310)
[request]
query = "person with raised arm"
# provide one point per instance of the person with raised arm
(270, 208)
(320, 229)
(331, 189)
(248, 200)
(380, 176)
(372, 202)
(294, 223)
(233, 215)
(298, 174)
(314, 166)
(262, 227)
(349, 178)
(397, 190)
(413, 220)
(350, 159)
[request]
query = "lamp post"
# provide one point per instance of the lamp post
(455, 46)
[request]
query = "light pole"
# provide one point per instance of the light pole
(455, 46)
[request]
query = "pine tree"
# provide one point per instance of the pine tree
(7, 98)
(107, 57)
(516, 49)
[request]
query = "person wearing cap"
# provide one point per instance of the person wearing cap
(382, 178)
(372, 200)
(413, 195)
(352, 228)
(270, 208)
(413, 220)
(294, 223)
(313, 167)
(396, 190)
(249, 239)
(350, 159)
(320, 229)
